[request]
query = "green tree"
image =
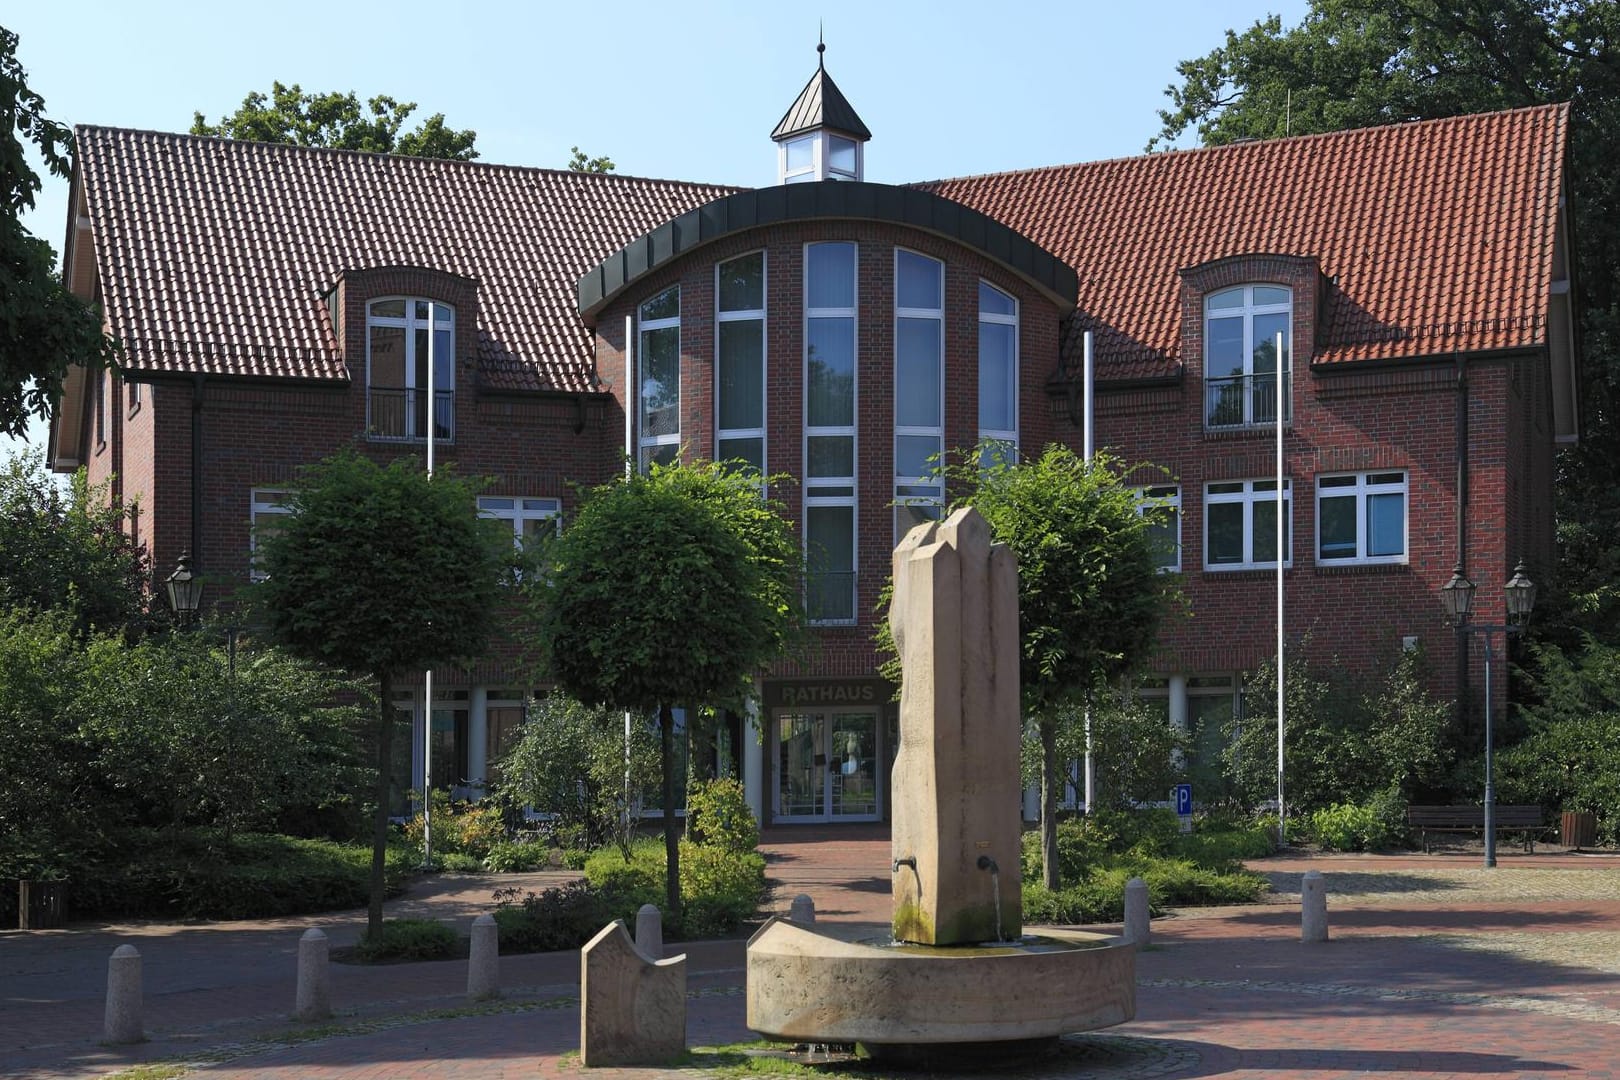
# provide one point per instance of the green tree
(336, 120)
(674, 587)
(44, 328)
(1090, 595)
(572, 761)
(580, 162)
(67, 549)
(1351, 63)
(379, 570)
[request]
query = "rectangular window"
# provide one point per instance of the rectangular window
(1162, 504)
(1240, 356)
(998, 376)
(919, 389)
(1361, 518)
(529, 518)
(399, 348)
(829, 432)
(1240, 524)
(660, 358)
(268, 508)
(740, 361)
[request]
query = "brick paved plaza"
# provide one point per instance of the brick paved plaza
(1436, 968)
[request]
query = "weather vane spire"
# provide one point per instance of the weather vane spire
(821, 44)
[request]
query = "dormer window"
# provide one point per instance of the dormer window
(399, 351)
(1240, 355)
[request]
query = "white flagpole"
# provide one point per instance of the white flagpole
(1282, 813)
(1088, 445)
(427, 707)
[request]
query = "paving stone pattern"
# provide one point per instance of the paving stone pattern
(1436, 968)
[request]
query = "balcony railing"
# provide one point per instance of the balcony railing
(400, 412)
(1238, 401)
(829, 596)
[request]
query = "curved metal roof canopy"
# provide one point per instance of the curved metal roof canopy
(828, 200)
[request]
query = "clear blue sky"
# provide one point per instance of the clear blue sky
(679, 90)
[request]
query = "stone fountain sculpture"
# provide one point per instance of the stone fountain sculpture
(959, 970)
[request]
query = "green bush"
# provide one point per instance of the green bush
(407, 939)
(720, 888)
(194, 874)
(640, 880)
(517, 856)
(718, 815)
(1348, 827)
(575, 858)
(564, 917)
(459, 828)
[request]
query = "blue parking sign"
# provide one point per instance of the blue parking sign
(1184, 800)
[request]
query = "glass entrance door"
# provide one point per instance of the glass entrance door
(827, 766)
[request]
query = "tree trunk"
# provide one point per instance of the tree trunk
(672, 833)
(1050, 779)
(379, 820)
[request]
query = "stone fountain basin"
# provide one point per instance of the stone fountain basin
(808, 987)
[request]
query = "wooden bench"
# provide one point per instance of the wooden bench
(1523, 820)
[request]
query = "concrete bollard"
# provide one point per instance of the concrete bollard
(123, 1019)
(483, 960)
(803, 910)
(650, 931)
(1137, 918)
(314, 987)
(1313, 920)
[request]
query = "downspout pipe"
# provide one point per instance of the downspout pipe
(1464, 713)
(197, 381)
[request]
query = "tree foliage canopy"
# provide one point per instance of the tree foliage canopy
(381, 568)
(579, 161)
(67, 550)
(288, 115)
(670, 588)
(44, 328)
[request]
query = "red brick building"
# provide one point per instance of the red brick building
(277, 303)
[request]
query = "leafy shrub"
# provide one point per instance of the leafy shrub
(720, 889)
(718, 815)
(564, 917)
(194, 874)
(407, 939)
(1100, 897)
(1348, 827)
(459, 828)
(516, 856)
(575, 858)
(638, 880)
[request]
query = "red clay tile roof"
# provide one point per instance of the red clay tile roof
(1438, 235)
(214, 255)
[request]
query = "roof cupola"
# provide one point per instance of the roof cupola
(820, 137)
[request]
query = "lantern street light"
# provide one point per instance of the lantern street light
(185, 590)
(1457, 595)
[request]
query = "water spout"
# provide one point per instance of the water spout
(909, 860)
(987, 863)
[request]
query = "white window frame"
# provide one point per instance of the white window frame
(924, 491)
(651, 445)
(524, 509)
(1257, 409)
(1250, 495)
(834, 491)
(1006, 436)
(1361, 487)
(722, 435)
(410, 322)
(820, 166)
(1167, 497)
(263, 503)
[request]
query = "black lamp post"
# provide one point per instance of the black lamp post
(1458, 597)
(185, 590)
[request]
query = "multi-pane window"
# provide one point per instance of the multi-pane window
(1240, 524)
(405, 339)
(998, 375)
(919, 393)
(1240, 355)
(660, 356)
(829, 431)
(740, 366)
(1361, 517)
(1162, 507)
(529, 518)
(267, 509)
(820, 156)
